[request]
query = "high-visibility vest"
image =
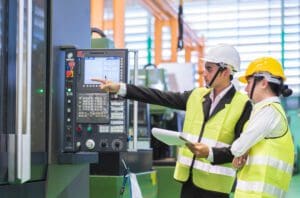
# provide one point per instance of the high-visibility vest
(269, 167)
(218, 132)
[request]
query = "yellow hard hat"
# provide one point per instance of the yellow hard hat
(263, 64)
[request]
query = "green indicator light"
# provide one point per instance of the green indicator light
(40, 91)
(89, 129)
(69, 89)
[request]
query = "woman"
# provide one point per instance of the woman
(266, 141)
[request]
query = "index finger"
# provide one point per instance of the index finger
(189, 145)
(98, 80)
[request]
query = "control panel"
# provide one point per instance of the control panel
(94, 120)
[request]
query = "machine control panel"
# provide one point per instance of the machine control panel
(94, 120)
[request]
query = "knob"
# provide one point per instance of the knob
(117, 145)
(90, 144)
(89, 129)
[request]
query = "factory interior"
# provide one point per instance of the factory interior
(67, 132)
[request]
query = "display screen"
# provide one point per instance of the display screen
(103, 68)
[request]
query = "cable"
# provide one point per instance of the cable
(180, 43)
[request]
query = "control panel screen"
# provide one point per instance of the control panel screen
(102, 67)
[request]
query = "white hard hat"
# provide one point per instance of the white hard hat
(224, 53)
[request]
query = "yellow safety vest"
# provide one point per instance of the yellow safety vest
(218, 132)
(268, 170)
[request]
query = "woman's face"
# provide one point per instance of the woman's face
(257, 90)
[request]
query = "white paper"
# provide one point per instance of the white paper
(168, 137)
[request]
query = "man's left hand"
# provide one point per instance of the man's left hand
(199, 149)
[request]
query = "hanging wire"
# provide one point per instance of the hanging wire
(180, 43)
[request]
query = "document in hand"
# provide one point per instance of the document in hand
(172, 138)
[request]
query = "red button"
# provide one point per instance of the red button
(78, 129)
(69, 74)
(71, 64)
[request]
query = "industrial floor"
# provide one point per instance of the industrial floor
(168, 187)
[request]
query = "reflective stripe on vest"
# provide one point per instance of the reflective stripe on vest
(270, 161)
(207, 141)
(221, 170)
(260, 187)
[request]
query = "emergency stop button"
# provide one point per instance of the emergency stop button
(69, 74)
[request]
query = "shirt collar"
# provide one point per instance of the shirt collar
(221, 94)
(267, 101)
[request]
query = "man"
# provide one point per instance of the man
(214, 116)
(267, 139)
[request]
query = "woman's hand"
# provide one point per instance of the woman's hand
(239, 162)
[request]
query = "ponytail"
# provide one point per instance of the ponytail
(286, 91)
(281, 89)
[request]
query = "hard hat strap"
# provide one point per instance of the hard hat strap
(215, 76)
(253, 87)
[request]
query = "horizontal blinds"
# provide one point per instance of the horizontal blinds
(255, 27)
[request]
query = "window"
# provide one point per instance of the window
(255, 27)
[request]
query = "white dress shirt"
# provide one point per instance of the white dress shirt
(122, 91)
(215, 100)
(267, 122)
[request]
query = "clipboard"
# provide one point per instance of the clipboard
(169, 137)
(185, 139)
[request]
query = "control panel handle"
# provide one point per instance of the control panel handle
(19, 144)
(135, 103)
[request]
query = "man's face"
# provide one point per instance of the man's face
(209, 73)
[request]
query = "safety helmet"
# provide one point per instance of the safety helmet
(225, 55)
(268, 67)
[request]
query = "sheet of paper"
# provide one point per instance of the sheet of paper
(168, 137)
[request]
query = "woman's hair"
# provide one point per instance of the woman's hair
(278, 89)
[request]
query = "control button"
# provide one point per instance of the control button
(79, 128)
(69, 110)
(117, 145)
(71, 64)
(89, 129)
(69, 101)
(69, 74)
(90, 144)
(68, 119)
